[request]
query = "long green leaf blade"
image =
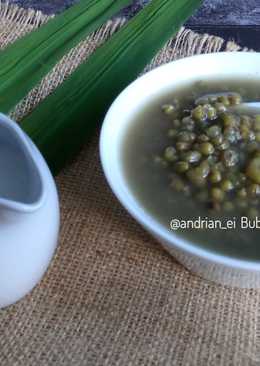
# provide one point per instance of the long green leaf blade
(63, 121)
(27, 61)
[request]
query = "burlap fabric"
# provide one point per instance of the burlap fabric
(112, 295)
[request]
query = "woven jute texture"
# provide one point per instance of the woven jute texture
(112, 295)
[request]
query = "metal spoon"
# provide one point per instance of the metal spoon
(247, 108)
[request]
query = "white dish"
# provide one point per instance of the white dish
(215, 267)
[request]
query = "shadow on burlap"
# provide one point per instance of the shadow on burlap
(112, 295)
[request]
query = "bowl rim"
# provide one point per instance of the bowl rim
(133, 206)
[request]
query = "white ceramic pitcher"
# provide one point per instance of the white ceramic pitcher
(29, 213)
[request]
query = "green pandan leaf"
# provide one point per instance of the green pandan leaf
(65, 119)
(24, 63)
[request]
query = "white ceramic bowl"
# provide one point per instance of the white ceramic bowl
(215, 267)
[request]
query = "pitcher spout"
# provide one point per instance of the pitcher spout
(29, 214)
(21, 182)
